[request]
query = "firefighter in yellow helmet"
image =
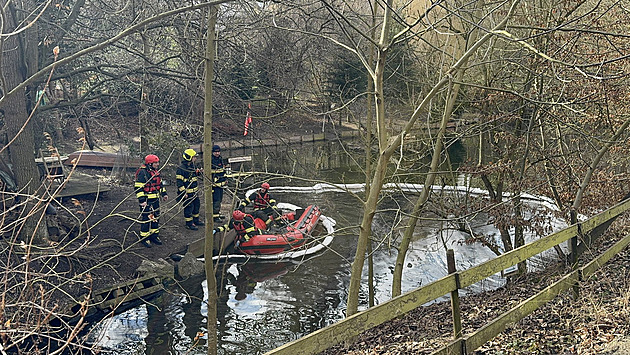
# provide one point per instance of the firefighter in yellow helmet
(187, 177)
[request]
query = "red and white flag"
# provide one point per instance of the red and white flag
(248, 120)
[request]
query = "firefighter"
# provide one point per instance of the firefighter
(244, 226)
(264, 206)
(219, 181)
(187, 189)
(149, 189)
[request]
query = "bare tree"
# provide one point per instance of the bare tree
(207, 162)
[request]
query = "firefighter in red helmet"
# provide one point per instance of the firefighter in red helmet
(264, 205)
(149, 189)
(244, 226)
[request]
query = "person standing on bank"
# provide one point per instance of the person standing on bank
(149, 189)
(219, 181)
(187, 190)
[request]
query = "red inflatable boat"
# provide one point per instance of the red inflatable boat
(299, 226)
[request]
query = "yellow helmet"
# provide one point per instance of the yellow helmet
(189, 154)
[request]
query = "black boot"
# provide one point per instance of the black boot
(192, 227)
(155, 239)
(146, 243)
(198, 223)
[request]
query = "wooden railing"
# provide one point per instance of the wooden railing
(354, 325)
(278, 141)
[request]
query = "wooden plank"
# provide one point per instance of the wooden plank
(453, 348)
(126, 284)
(90, 158)
(491, 267)
(296, 139)
(600, 218)
(489, 331)
(239, 175)
(78, 184)
(239, 159)
(131, 296)
(267, 142)
(223, 239)
(248, 143)
(354, 325)
(238, 145)
(139, 286)
(197, 247)
(51, 161)
(598, 262)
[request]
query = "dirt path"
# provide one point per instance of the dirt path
(112, 253)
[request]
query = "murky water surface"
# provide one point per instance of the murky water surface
(264, 305)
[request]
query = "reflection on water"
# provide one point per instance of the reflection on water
(264, 305)
(124, 333)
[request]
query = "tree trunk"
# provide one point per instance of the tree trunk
(385, 154)
(379, 172)
(19, 126)
(368, 156)
(426, 190)
(88, 133)
(211, 281)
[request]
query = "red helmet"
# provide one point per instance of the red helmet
(151, 158)
(238, 215)
(265, 186)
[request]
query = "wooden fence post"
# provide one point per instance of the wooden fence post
(573, 250)
(457, 318)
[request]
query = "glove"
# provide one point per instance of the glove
(237, 243)
(214, 231)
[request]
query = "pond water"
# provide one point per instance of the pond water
(263, 305)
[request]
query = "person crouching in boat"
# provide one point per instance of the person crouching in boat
(244, 226)
(264, 206)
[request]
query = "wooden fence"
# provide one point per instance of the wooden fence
(279, 140)
(354, 325)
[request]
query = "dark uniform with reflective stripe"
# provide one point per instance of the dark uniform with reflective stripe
(245, 229)
(264, 206)
(187, 188)
(149, 189)
(219, 181)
